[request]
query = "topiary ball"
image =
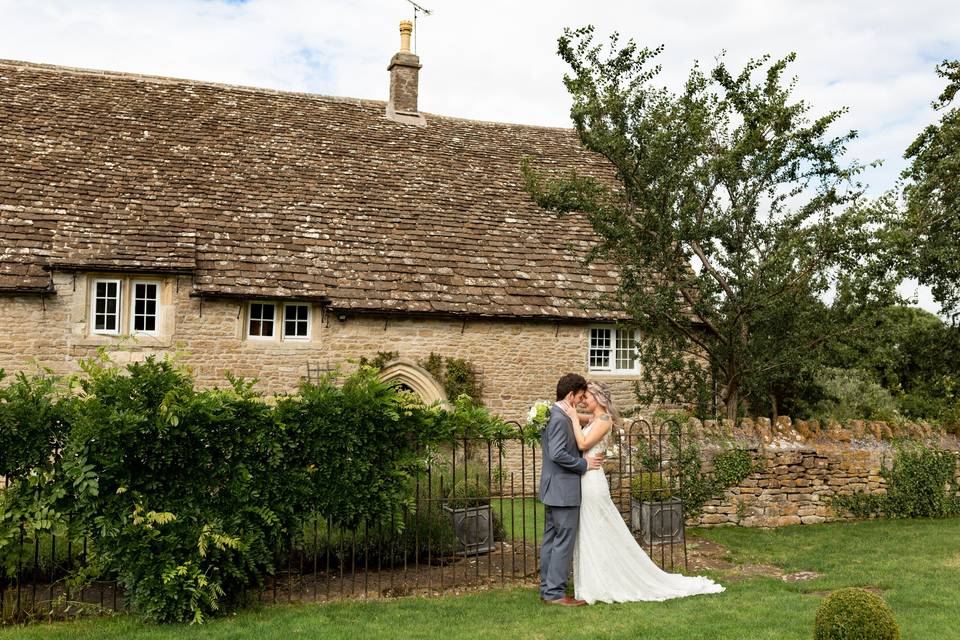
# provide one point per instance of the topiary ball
(855, 614)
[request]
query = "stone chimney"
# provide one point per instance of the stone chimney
(404, 72)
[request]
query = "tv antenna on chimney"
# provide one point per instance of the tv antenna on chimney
(417, 9)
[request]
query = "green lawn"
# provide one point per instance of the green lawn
(519, 516)
(917, 563)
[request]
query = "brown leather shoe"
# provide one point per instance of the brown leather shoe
(566, 602)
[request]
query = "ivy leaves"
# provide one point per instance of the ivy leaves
(921, 483)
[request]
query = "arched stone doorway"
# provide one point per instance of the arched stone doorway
(415, 378)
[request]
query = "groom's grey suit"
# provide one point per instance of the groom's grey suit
(560, 494)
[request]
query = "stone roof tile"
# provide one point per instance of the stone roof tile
(268, 193)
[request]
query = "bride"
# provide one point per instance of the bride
(608, 564)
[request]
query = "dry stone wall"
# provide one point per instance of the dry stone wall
(802, 466)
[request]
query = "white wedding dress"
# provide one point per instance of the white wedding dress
(608, 564)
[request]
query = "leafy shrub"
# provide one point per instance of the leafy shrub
(187, 495)
(921, 483)
(855, 614)
(731, 467)
(31, 424)
(650, 486)
(351, 449)
(861, 504)
(191, 495)
(694, 486)
(429, 531)
(425, 533)
(467, 494)
(849, 394)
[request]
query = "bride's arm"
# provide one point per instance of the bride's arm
(577, 429)
(600, 429)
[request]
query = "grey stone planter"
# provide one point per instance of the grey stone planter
(660, 522)
(473, 527)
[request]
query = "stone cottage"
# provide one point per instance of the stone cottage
(266, 232)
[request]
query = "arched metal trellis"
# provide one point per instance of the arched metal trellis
(652, 461)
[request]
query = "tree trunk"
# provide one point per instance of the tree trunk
(731, 398)
(733, 383)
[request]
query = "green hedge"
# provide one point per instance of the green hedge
(190, 494)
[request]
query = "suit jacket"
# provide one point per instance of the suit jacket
(562, 464)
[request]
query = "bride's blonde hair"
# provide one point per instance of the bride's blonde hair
(601, 392)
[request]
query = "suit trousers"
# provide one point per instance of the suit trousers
(556, 552)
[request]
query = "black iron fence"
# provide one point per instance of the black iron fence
(474, 519)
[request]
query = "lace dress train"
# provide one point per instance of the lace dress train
(608, 563)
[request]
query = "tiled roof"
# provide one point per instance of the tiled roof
(277, 194)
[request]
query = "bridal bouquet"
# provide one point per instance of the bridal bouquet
(539, 414)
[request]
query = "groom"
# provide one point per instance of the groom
(560, 493)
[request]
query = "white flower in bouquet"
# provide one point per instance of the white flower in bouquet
(612, 452)
(539, 414)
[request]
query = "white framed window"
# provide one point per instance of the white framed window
(144, 307)
(105, 306)
(126, 305)
(625, 350)
(261, 320)
(600, 351)
(296, 322)
(613, 350)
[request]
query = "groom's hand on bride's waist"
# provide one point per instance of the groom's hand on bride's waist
(594, 462)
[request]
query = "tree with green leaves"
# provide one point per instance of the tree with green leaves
(910, 353)
(730, 218)
(931, 221)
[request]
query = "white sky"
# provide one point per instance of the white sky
(496, 60)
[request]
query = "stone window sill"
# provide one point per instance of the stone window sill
(612, 375)
(127, 342)
(279, 345)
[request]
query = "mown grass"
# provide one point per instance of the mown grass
(522, 518)
(915, 562)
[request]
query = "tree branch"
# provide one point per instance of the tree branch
(709, 267)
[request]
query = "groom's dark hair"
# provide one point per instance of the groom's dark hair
(570, 382)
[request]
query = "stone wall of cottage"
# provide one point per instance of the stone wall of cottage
(519, 360)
